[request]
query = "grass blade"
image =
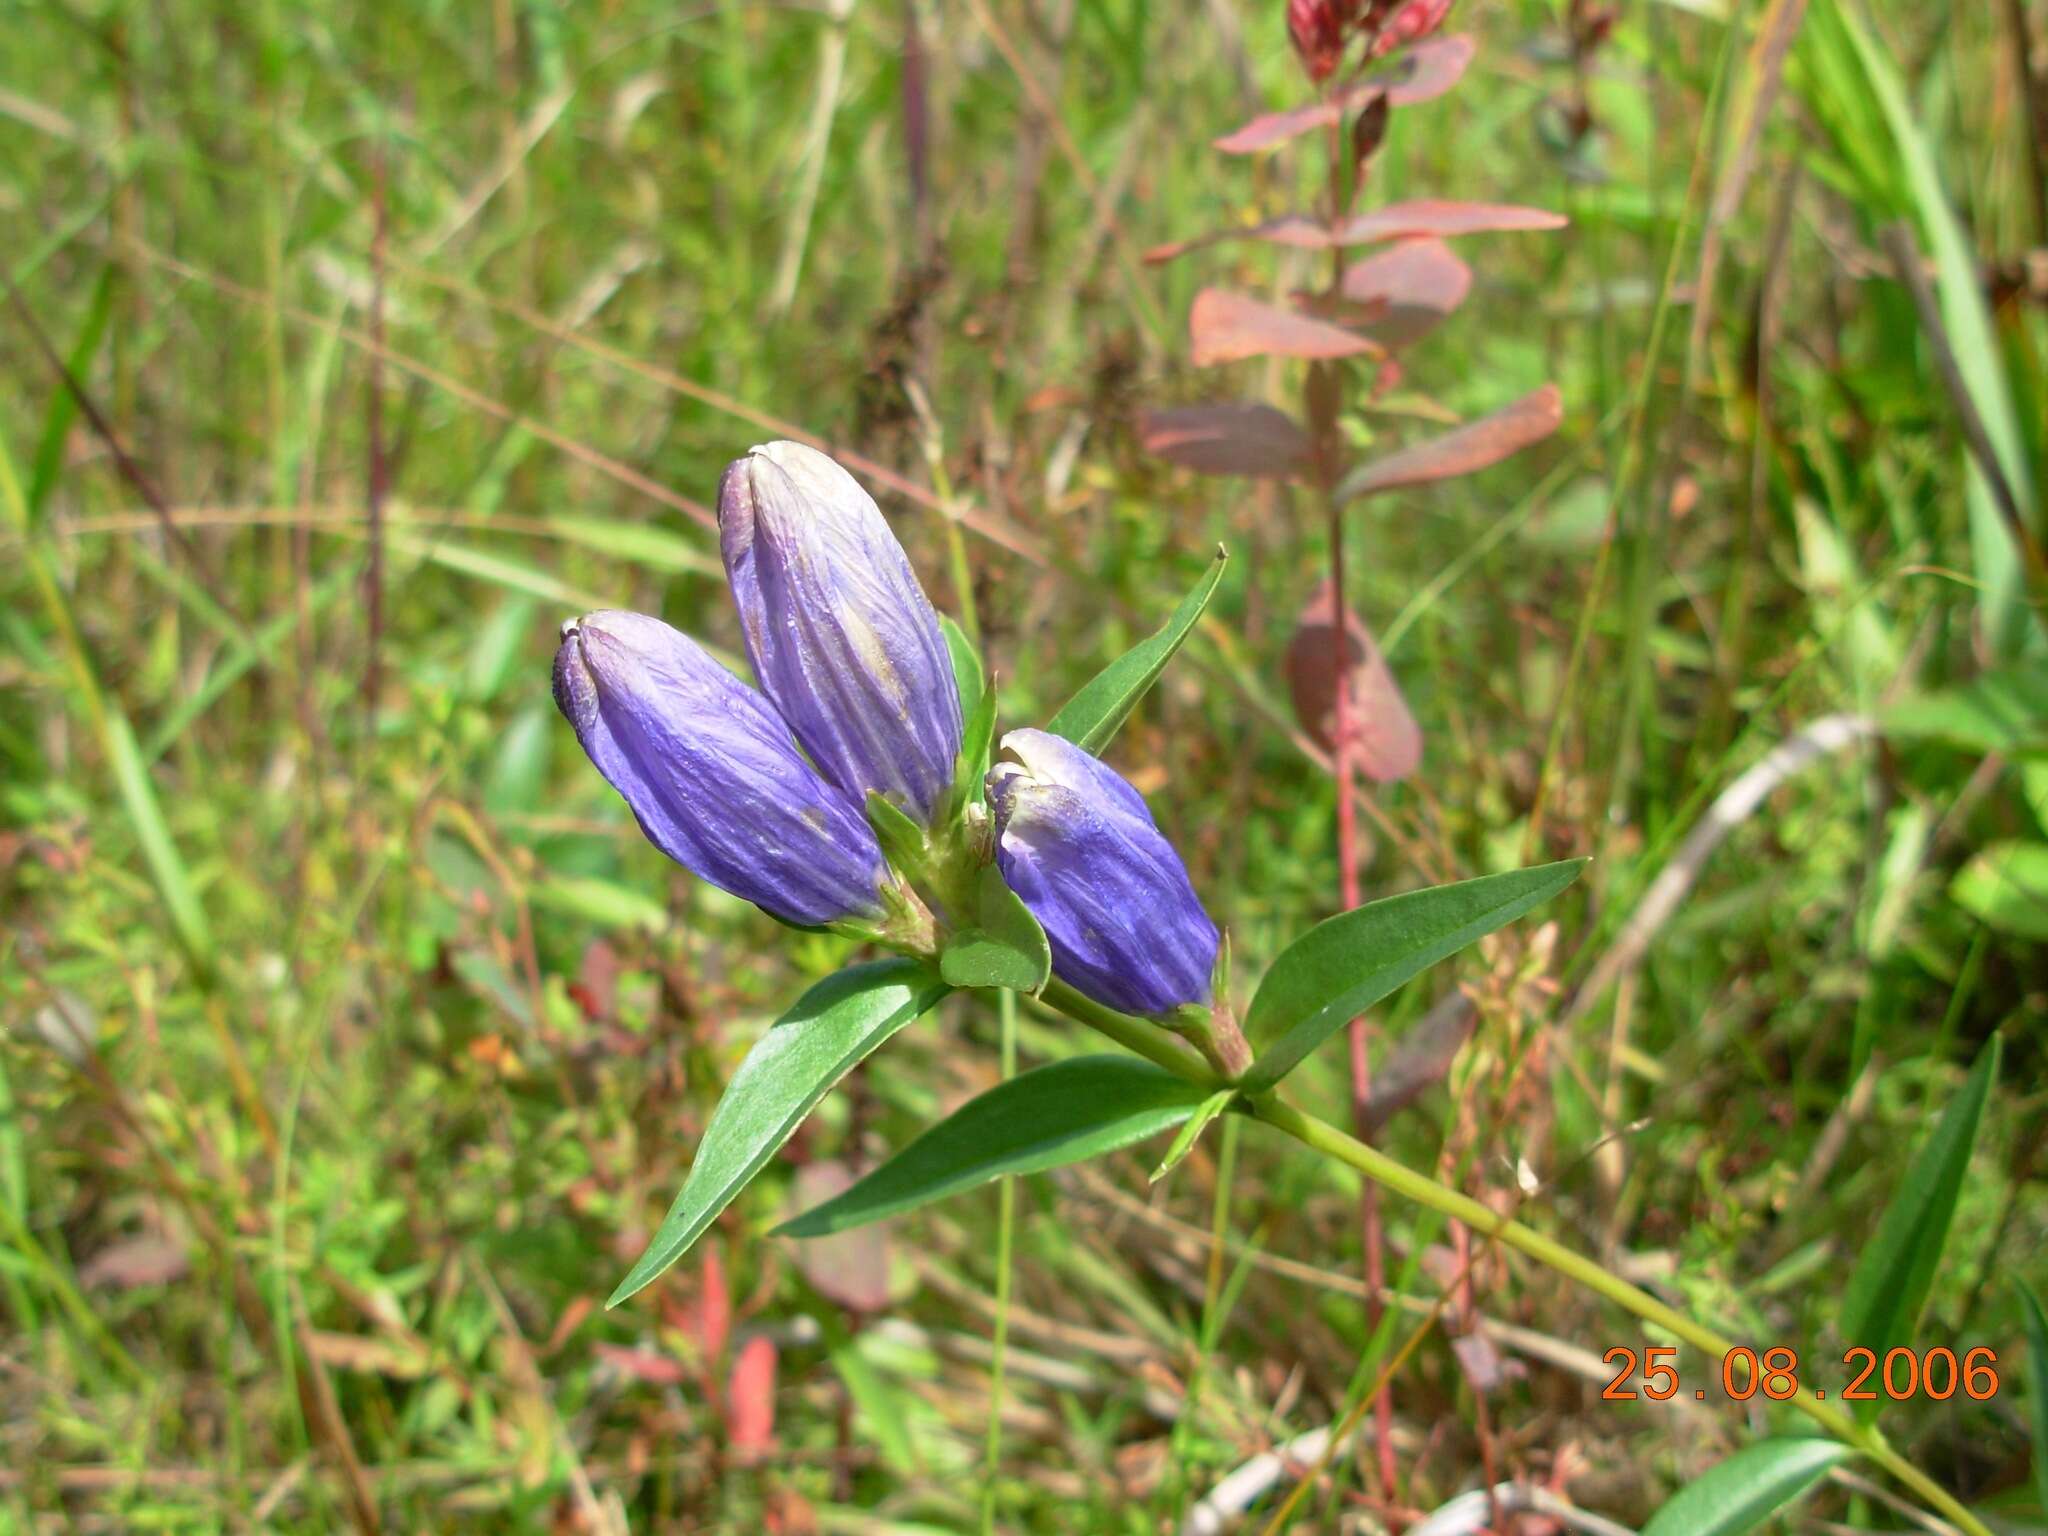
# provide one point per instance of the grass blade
(2037, 1383)
(1892, 1279)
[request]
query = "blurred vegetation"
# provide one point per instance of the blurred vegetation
(354, 1040)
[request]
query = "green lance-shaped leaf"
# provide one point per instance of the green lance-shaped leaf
(1185, 1138)
(968, 675)
(903, 840)
(1889, 1287)
(2037, 1382)
(1046, 1118)
(1091, 717)
(1006, 948)
(1343, 966)
(978, 717)
(790, 1068)
(2007, 887)
(2000, 711)
(1740, 1493)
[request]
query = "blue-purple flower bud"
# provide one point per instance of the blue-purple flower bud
(710, 773)
(1077, 843)
(841, 636)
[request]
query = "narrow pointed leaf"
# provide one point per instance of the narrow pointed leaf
(903, 840)
(1889, 1286)
(1740, 1493)
(1237, 439)
(2002, 711)
(2036, 1322)
(790, 1068)
(1469, 449)
(1007, 948)
(2006, 887)
(1185, 1138)
(1343, 966)
(1225, 327)
(968, 674)
(1046, 1118)
(1091, 717)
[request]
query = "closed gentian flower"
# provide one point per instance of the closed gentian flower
(710, 772)
(841, 635)
(1076, 842)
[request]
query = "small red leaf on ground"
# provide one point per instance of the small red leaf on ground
(750, 1401)
(134, 1262)
(705, 1317)
(1469, 449)
(852, 1268)
(1481, 1359)
(1225, 327)
(642, 1365)
(573, 1317)
(1425, 72)
(1409, 288)
(1233, 439)
(1386, 741)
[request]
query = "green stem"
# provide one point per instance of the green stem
(1006, 1221)
(1158, 1046)
(1402, 1180)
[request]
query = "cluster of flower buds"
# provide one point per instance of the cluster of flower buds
(765, 792)
(1321, 29)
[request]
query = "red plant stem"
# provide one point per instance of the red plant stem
(1322, 406)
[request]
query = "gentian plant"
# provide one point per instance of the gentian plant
(862, 789)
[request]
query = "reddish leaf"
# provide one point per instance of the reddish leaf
(1226, 327)
(750, 1400)
(1425, 72)
(706, 1317)
(1469, 449)
(1429, 69)
(852, 1268)
(1409, 289)
(643, 1365)
(1386, 743)
(134, 1262)
(1236, 439)
(1432, 217)
(1482, 1361)
(1427, 217)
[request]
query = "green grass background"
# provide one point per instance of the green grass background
(396, 1037)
